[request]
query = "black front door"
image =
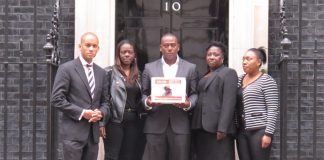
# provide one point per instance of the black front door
(195, 22)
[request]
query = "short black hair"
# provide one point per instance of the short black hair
(169, 34)
(222, 47)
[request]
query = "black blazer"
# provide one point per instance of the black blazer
(71, 94)
(159, 117)
(218, 100)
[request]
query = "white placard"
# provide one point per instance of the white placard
(168, 90)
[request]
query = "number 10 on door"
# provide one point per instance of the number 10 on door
(175, 6)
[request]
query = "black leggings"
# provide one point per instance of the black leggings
(249, 145)
(125, 141)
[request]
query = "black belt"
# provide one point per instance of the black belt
(130, 110)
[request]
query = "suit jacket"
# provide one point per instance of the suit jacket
(217, 99)
(158, 118)
(71, 94)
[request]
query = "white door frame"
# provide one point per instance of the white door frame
(248, 27)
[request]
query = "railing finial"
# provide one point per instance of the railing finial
(51, 46)
(285, 42)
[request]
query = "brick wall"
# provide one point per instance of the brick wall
(28, 20)
(17, 20)
(304, 112)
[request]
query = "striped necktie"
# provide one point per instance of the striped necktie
(91, 79)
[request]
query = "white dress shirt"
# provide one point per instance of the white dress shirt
(84, 64)
(170, 70)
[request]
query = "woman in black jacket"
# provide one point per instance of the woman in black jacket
(123, 137)
(213, 117)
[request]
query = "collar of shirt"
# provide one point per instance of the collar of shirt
(84, 63)
(170, 70)
(85, 68)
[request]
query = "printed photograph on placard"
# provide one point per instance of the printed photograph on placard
(168, 90)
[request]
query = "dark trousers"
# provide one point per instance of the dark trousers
(80, 150)
(208, 148)
(167, 146)
(249, 145)
(125, 141)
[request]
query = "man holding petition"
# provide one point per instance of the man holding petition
(167, 125)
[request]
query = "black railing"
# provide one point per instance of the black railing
(285, 43)
(18, 99)
(25, 98)
(301, 102)
(300, 86)
(298, 90)
(53, 59)
(300, 95)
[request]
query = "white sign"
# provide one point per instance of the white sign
(168, 90)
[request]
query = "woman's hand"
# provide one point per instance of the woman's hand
(220, 136)
(265, 141)
(103, 132)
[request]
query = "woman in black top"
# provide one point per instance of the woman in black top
(123, 137)
(257, 108)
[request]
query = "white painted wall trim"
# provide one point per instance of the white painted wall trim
(96, 16)
(248, 27)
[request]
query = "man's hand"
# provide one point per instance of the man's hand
(186, 104)
(103, 132)
(96, 116)
(92, 115)
(88, 114)
(150, 103)
(220, 136)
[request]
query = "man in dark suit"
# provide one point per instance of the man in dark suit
(167, 125)
(213, 117)
(79, 91)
